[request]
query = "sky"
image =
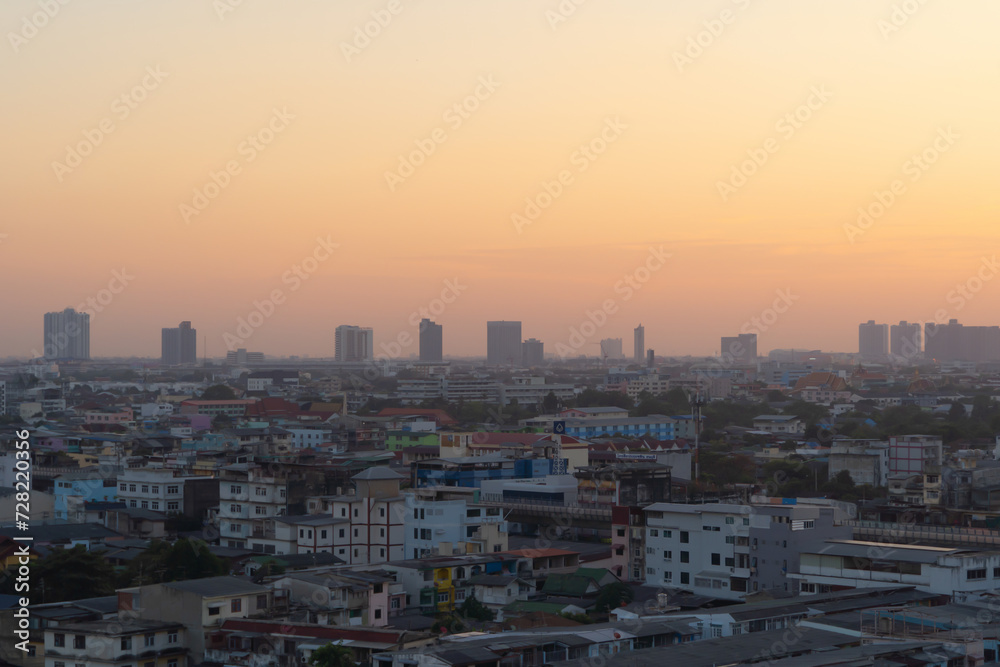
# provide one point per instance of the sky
(270, 171)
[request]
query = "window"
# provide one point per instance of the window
(381, 513)
(685, 556)
(730, 562)
(684, 537)
(262, 602)
(746, 521)
(172, 506)
(378, 613)
(381, 532)
(235, 509)
(653, 532)
(154, 489)
(213, 611)
(685, 578)
(260, 491)
(322, 534)
(235, 489)
(123, 487)
(341, 532)
(473, 513)
(394, 603)
(730, 520)
(381, 552)
(236, 605)
(131, 488)
(621, 532)
(668, 555)
(730, 539)
(59, 640)
(650, 570)
(356, 512)
(173, 489)
(975, 575)
(716, 559)
(126, 643)
(144, 504)
(281, 493)
(172, 662)
(149, 639)
(156, 505)
(668, 576)
(355, 532)
(172, 637)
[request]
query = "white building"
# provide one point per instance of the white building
(700, 548)
(115, 644)
(310, 436)
(247, 496)
(867, 461)
(158, 490)
(445, 527)
(958, 572)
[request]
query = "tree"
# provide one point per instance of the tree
(550, 403)
(218, 392)
(182, 560)
(612, 596)
(72, 574)
(476, 610)
(332, 655)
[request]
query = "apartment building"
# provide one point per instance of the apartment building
(445, 527)
(128, 642)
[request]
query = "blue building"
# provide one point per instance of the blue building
(72, 490)
(470, 471)
(660, 427)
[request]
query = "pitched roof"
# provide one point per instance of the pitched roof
(378, 472)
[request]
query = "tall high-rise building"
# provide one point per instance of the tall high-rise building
(873, 340)
(533, 352)
(741, 349)
(611, 348)
(639, 346)
(179, 345)
(67, 335)
(431, 341)
(503, 343)
(650, 358)
(905, 339)
(354, 343)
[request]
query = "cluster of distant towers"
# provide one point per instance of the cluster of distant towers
(939, 341)
(67, 338)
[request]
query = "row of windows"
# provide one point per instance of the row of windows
(237, 489)
(80, 641)
(172, 489)
(172, 506)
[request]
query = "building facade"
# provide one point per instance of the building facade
(67, 335)
(179, 345)
(503, 343)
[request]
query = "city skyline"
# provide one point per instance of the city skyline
(848, 106)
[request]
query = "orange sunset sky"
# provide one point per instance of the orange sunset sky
(684, 92)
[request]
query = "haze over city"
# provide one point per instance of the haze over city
(636, 120)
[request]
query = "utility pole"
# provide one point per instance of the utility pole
(696, 403)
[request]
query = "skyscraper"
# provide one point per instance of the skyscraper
(533, 352)
(639, 347)
(503, 343)
(431, 341)
(67, 335)
(179, 345)
(611, 348)
(873, 340)
(741, 349)
(354, 343)
(905, 339)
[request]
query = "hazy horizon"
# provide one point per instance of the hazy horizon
(832, 105)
